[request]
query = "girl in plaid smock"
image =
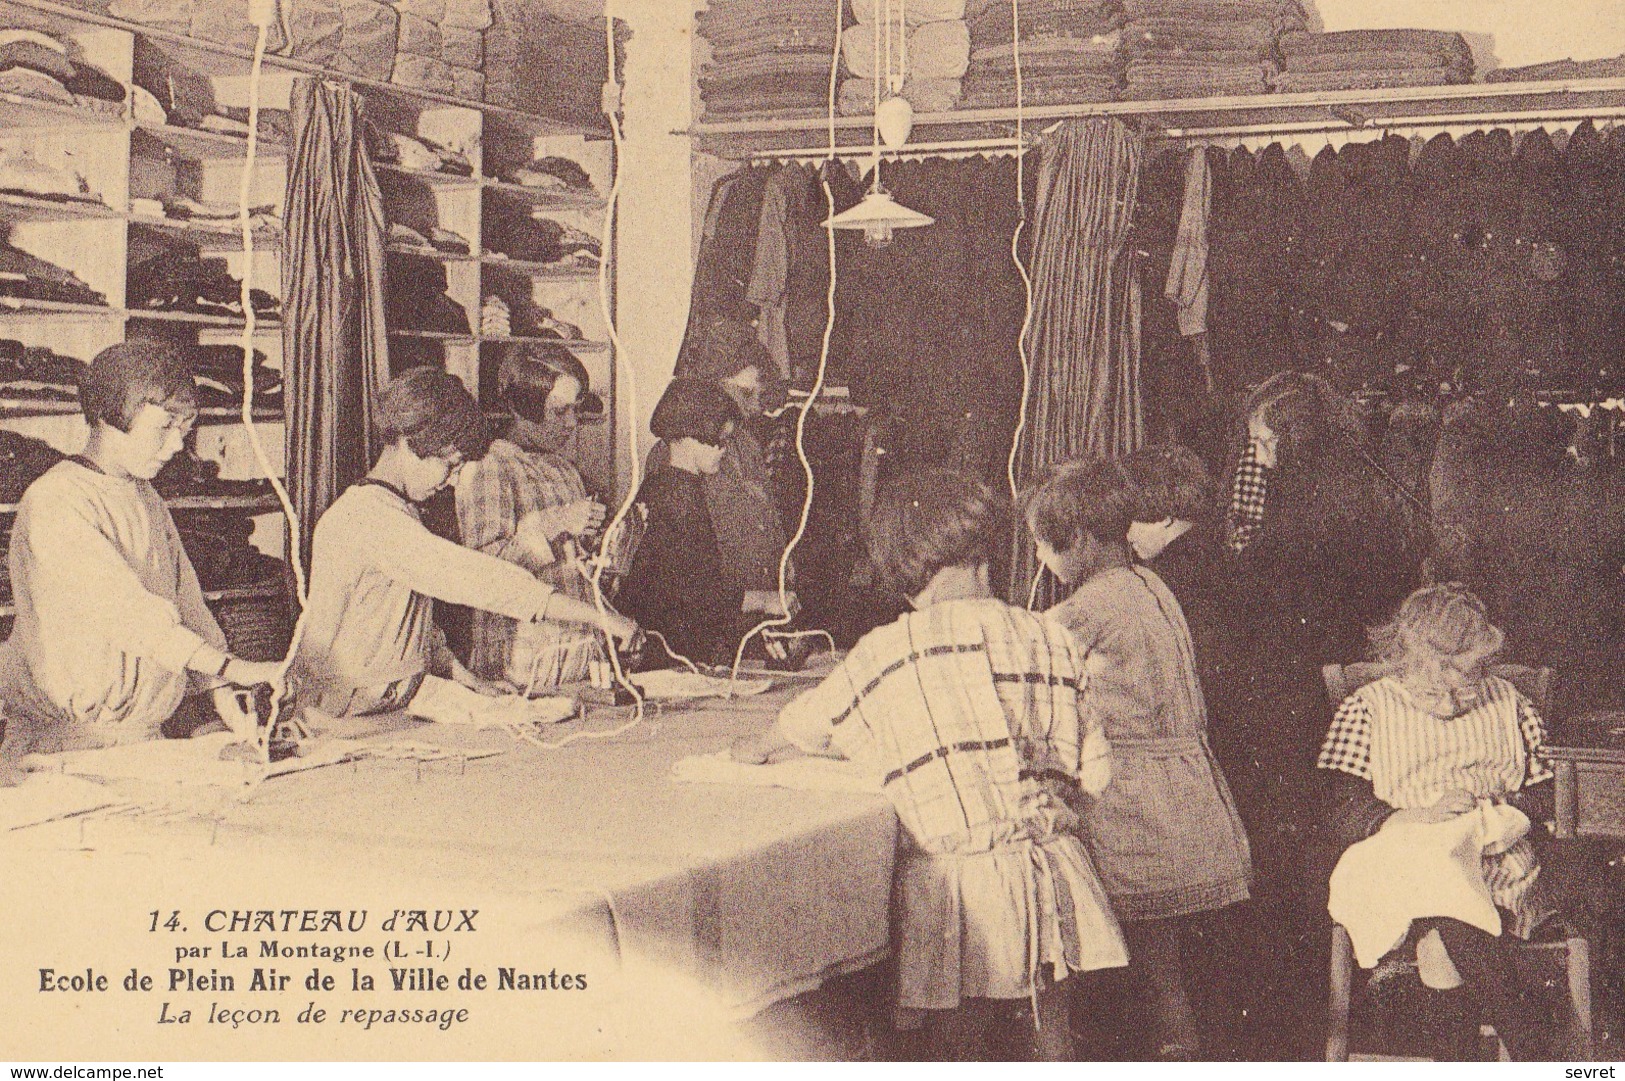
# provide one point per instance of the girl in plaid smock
(524, 475)
(972, 713)
(1427, 742)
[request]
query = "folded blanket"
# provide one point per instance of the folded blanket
(1216, 11)
(367, 47)
(422, 73)
(420, 37)
(432, 10)
(919, 11)
(1196, 33)
(1291, 82)
(805, 774)
(315, 30)
(1613, 68)
(773, 64)
(1372, 60)
(935, 51)
(462, 48)
(172, 15)
(857, 96)
(468, 84)
(989, 95)
(467, 14)
(1441, 42)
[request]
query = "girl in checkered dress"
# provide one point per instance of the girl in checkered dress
(1425, 743)
(974, 715)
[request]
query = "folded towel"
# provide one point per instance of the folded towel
(805, 774)
(467, 14)
(919, 11)
(935, 51)
(857, 96)
(432, 10)
(1371, 60)
(1409, 871)
(445, 702)
(420, 37)
(1612, 68)
(1291, 82)
(468, 84)
(1442, 42)
(423, 73)
(462, 48)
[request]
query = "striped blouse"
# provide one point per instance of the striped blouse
(1411, 758)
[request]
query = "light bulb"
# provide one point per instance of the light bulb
(878, 234)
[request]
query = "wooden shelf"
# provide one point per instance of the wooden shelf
(15, 207)
(431, 253)
(548, 198)
(431, 177)
(37, 407)
(1342, 111)
(266, 591)
(213, 58)
(59, 310)
(582, 344)
(19, 113)
(262, 325)
(541, 271)
(198, 144)
(210, 236)
(434, 336)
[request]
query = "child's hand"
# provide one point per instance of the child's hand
(751, 750)
(1456, 801)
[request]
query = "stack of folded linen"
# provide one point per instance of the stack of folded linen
(1203, 48)
(1372, 60)
(539, 62)
(1069, 52)
(37, 65)
(1611, 68)
(929, 47)
(767, 57)
(440, 46)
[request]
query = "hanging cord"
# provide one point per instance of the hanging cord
(262, 17)
(1026, 276)
(765, 627)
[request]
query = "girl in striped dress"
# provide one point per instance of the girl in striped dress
(1425, 743)
(973, 713)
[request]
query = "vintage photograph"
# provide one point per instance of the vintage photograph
(812, 530)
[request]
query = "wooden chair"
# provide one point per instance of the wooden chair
(1573, 954)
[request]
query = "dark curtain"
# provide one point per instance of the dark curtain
(1084, 342)
(335, 344)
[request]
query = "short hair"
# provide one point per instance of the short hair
(1084, 496)
(719, 347)
(434, 413)
(1168, 482)
(527, 373)
(1433, 626)
(1300, 409)
(693, 409)
(926, 521)
(141, 371)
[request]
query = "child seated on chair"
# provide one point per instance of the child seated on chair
(370, 644)
(1426, 742)
(973, 713)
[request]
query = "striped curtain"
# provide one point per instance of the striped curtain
(1084, 341)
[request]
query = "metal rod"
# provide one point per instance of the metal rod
(1391, 123)
(808, 153)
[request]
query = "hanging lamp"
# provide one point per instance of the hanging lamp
(878, 214)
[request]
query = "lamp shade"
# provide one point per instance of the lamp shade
(877, 215)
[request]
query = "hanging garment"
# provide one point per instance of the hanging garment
(335, 337)
(1085, 344)
(1187, 275)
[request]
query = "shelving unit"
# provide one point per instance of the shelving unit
(121, 159)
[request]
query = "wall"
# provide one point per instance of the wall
(653, 258)
(1512, 32)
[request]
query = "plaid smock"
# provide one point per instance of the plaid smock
(493, 494)
(1411, 758)
(1166, 835)
(973, 714)
(1249, 488)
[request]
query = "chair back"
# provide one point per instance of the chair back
(1343, 680)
